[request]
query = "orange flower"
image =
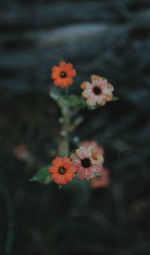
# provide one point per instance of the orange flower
(61, 170)
(62, 74)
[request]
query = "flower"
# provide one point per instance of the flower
(99, 149)
(61, 170)
(20, 151)
(101, 181)
(62, 74)
(97, 92)
(87, 161)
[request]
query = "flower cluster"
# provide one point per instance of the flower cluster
(98, 92)
(86, 162)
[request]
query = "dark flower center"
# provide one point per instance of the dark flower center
(97, 90)
(62, 170)
(86, 163)
(63, 74)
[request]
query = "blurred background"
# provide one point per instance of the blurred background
(106, 37)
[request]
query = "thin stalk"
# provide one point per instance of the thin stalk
(10, 217)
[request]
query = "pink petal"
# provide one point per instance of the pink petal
(82, 152)
(76, 162)
(81, 173)
(86, 93)
(91, 101)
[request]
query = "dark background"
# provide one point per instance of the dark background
(110, 38)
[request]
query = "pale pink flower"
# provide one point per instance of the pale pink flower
(101, 181)
(87, 161)
(20, 151)
(98, 91)
(99, 149)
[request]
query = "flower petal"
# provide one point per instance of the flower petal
(55, 75)
(95, 77)
(69, 176)
(91, 101)
(58, 82)
(76, 163)
(86, 93)
(66, 163)
(53, 169)
(55, 69)
(57, 162)
(69, 81)
(72, 169)
(81, 173)
(82, 152)
(85, 85)
(62, 64)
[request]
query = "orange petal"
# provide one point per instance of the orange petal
(69, 65)
(57, 162)
(66, 163)
(60, 179)
(62, 64)
(55, 69)
(57, 82)
(69, 81)
(69, 176)
(54, 75)
(53, 169)
(73, 73)
(54, 176)
(63, 180)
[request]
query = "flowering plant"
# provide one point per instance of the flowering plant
(86, 160)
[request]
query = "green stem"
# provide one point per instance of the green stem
(10, 216)
(65, 110)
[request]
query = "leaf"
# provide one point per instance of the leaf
(41, 175)
(115, 98)
(72, 100)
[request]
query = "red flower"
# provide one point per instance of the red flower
(62, 74)
(102, 181)
(61, 170)
(20, 151)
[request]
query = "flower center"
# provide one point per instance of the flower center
(62, 170)
(86, 163)
(97, 90)
(63, 74)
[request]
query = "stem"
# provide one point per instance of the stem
(10, 216)
(64, 145)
